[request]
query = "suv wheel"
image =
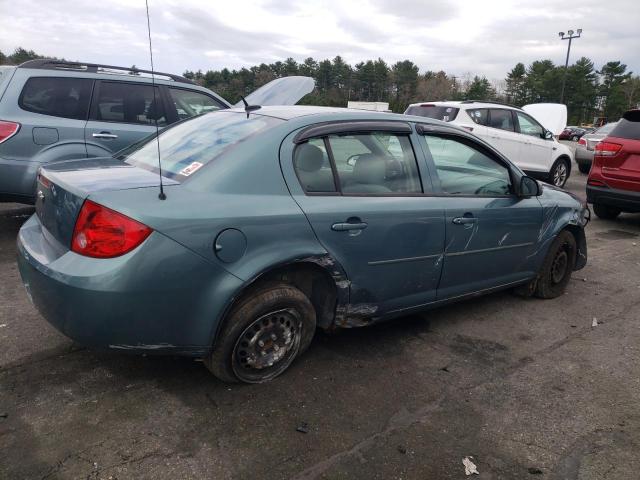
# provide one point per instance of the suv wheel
(557, 266)
(263, 334)
(606, 212)
(559, 172)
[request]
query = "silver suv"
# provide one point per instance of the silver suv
(54, 110)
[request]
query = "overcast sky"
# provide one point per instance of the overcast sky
(486, 37)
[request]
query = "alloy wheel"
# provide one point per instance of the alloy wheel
(560, 174)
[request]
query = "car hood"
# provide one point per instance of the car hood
(281, 91)
(552, 116)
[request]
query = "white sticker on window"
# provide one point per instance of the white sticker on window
(186, 171)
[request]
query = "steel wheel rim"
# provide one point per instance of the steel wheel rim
(560, 175)
(267, 346)
(559, 267)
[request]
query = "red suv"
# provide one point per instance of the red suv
(614, 180)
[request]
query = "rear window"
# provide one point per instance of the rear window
(438, 112)
(628, 126)
(192, 144)
(60, 97)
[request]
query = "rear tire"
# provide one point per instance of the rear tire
(559, 173)
(606, 212)
(584, 167)
(263, 335)
(557, 266)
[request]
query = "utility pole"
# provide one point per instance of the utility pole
(570, 36)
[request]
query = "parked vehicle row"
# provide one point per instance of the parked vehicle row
(53, 110)
(574, 133)
(279, 220)
(513, 131)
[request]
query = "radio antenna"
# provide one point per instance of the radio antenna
(161, 195)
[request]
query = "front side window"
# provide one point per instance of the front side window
(130, 103)
(466, 170)
(529, 126)
(189, 103)
(501, 119)
(61, 97)
(373, 163)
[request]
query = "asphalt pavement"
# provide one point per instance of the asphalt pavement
(528, 388)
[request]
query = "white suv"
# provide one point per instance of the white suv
(512, 131)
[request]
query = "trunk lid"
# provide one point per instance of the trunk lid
(62, 188)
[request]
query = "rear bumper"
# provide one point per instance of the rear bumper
(159, 298)
(625, 200)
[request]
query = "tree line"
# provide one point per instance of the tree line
(589, 93)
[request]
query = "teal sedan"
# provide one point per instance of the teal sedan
(276, 221)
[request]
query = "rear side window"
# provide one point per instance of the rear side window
(189, 103)
(479, 115)
(438, 112)
(366, 164)
(628, 126)
(129, 103)
(59, 97)
(501, 119)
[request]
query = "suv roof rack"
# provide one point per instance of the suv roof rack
(492, 102)
(51, 64)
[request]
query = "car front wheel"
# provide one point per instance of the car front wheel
(559, 172)
(557, 266)
(263, 334)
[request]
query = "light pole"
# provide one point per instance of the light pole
(570, 36)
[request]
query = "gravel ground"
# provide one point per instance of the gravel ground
(528, 388)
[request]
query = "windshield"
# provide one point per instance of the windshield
(438, 112)
(192, 144)
(606, 130)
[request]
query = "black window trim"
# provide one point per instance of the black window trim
(336, 176)
(88, 112)
(93, 110)
(351, 127)
(472, 143)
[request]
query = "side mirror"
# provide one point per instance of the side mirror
(529, 187)
(548, 135)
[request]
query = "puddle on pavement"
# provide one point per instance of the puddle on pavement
(616, 234)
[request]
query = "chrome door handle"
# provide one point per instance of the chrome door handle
(346, 226)
(463, 220)
(104, 135)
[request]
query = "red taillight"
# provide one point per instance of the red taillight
(8, 130)
(607, 149)
(104, 233)
(582, 141)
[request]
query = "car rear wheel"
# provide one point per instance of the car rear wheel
(263, 334)
(559, 172)
(557, 267)
(606, 212)
(584, 167)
